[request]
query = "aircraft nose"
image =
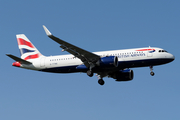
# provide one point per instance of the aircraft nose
(172, 57)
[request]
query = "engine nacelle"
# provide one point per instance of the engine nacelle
(109, 61)
(123, 75)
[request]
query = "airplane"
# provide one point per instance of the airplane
(115, 64)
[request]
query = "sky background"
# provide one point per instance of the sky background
(93, 25)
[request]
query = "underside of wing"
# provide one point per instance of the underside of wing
(86, 57)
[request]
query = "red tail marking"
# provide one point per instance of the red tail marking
(23, 42)
(32, 57)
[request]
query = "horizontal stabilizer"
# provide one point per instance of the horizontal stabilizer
(18, 59)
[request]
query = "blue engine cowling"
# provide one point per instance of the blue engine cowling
(109, 61)
(123, 75)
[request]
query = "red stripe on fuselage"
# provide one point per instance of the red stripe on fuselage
(145, 49)
(23, 42)
(32, 57)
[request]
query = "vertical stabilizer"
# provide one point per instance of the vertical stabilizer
(27, 49)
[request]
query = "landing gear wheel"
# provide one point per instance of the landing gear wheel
(101, 81)
(152, 73)
(151, 68)
(89, 73)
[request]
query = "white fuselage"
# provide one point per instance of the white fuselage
(127, 58)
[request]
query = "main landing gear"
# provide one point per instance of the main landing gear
(100, 77)
(101, 81)
(89, 73)
(152, 73)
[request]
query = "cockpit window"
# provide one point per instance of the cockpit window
(162, 51)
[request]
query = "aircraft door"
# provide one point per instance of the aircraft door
(150, 54)
(42, 62)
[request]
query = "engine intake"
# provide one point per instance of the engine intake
(109, 61)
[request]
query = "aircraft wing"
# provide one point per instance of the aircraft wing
(86, 57)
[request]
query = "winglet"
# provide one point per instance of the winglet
(47, 31)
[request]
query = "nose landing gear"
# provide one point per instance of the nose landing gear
(152, 73)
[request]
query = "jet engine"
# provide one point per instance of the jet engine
(123, 75)
(109, 61)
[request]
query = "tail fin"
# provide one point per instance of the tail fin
(27, 49)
